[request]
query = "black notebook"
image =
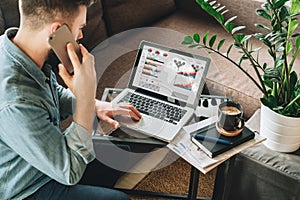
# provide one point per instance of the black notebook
(210, 134)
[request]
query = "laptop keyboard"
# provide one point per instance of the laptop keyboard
(155, 108)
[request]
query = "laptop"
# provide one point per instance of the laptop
(165, 85)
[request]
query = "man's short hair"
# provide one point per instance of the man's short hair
(44, 11)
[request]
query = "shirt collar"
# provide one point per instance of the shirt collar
(22, 59)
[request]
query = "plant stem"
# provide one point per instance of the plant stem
(252, 60)
(292, 102)
(264, 91)
(287, 77)
(293, 60)
(253, 63)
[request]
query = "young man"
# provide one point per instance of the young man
(37, 160)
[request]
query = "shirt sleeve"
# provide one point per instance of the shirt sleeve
(67, 100)
(25, 127)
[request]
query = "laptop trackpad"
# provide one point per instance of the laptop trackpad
(145, 123)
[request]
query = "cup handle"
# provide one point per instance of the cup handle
(240, 124)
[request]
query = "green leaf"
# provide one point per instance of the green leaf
(263, 13)
(239, 37)
(292, 27)
(295, 7)
(212, 40)
(244, 57)
(266, 42)
(279, 62)
(280, 3)
(193, 46)
(215, 6)
(187, 40)
(221, 44)
(246, 38)
(279, 49)
(295, 35)
(280, 40)
(259, 36)
(271, 73)
(277, 35)
(210, 10)
(205, 38)
(196, 37)
(263, 27)
(272, 53)
(269, 101)
(230, 20)
(268, 83)
(289, 47)
(238, 28)
(284, 14)
(298, 43)
(293, 81)
(228, 50)
(265, 65)
(229, 27)
(266, 6)
(220, 8)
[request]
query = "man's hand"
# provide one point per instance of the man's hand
(107, 111)
(83, 85)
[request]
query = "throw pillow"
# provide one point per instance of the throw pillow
(123, 15)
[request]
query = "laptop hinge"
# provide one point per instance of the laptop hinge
(172, 100)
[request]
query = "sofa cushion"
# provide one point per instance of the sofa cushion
(10, 13)
(95, 32)
(2, 24)
(122, 15)
(260, 173)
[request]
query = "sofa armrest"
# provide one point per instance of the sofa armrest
(262, 174)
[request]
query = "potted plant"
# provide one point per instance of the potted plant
(278, 82)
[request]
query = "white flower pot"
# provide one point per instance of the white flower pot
(282, 132)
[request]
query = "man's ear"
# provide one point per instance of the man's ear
(54, 26)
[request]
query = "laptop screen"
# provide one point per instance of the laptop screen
(169, 72)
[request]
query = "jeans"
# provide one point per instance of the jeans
(96, 177)
(54, 190)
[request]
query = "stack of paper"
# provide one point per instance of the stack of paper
(185, 148)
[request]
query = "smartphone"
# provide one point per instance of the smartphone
(58, 42)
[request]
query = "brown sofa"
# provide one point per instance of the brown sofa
(113, 29)
(108, 18)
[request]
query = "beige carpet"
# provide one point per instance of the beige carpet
(175, 179)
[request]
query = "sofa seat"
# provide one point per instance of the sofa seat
(262, 174)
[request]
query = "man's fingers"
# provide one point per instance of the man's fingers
(73, 57)
(65, 76)
(84, 51)
(111, 122)
(132, 108)
(125, 111)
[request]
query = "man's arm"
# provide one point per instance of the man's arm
(83, 86)
(83, 93)
(61, 156)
